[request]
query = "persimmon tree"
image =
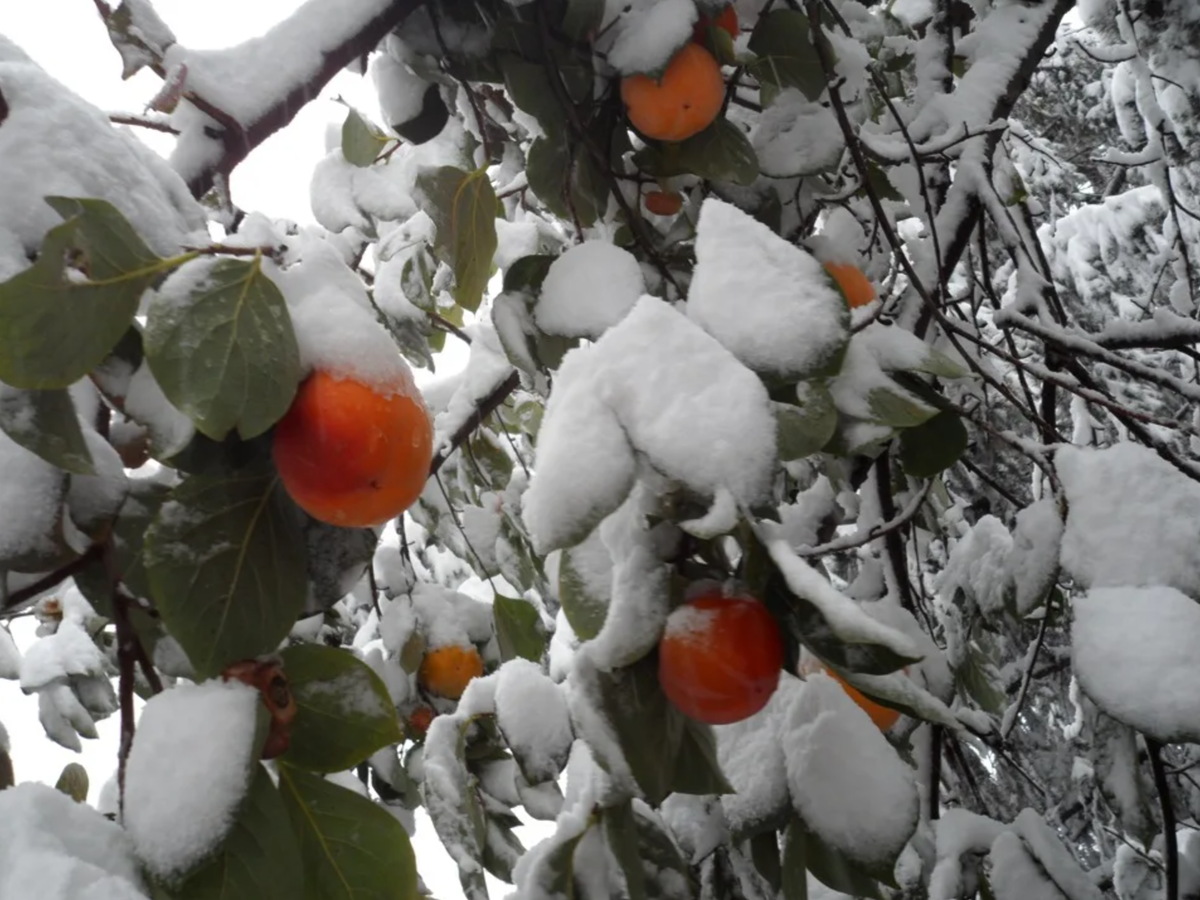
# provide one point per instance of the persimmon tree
(827, 445)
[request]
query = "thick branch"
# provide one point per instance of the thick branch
(1170, 844)
(486, 406)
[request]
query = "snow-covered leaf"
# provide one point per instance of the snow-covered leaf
(463, 206)
(805, 429)
(343, 712)
(32, 541)
(224, 558)
(585, 585)
(351, 847)
(1037, 539)
(58, 323)
(519, 629)
(220, 343)
(804, 848)
(933, 446)
(532, 715)
(44, 422)
(588, 289)
(362, 142)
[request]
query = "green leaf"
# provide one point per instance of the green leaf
(45, 423)
(492, 461)
(128, 536)
(660, 857)
(933, 446)
(343, 711)
(260, 858)
(463, 205)
(721, 152)
(786, 56)
(226, 355)
(764, 851)
(337, 559)
(429, 122)
(528, 273)
(895, 410)
(73, 782)
(828, 866)
(973, 678)
(529, 86)
(803, 430)
(582, 18)
(697, 770)
(620, 832)
(552, 874)
(225, 559)
(56, 327)
(585, 613)
(352, 849)
(362, 142)
(556, 170)
(519, 629)
(879, 182)
(794, 865)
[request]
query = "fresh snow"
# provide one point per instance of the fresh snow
(979, 566)
(795, 136)
(1133, 651)
(703, 420)
(769, 302)
(56, 657)
(649, 33)
(34, 487)
(588, 289)
(189, 768)
(846, 780)
(401, 93)
(532, 713)
(1132, 519)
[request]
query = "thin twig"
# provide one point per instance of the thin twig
(485, 407)
(1171, 845)
(1010, 716)
(19, 597)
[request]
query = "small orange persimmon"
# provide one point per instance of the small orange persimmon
(351, 454)
(685, 101)
(726, 20)
(854, 284)
(420, 719)
(720, 658)
(448, 670)
(884, 717)
(663, 203)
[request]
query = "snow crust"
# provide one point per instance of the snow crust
(703, 419)
(588, 289)
(189, 768)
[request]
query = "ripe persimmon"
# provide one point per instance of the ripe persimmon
(720, 658)
(726, 20)
(352, 454)
(685, 101)
(884, 717)
(856, 287)
(420, 719)
(448, 670)
(663, 203)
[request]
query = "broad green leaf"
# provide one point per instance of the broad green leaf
(972, 677)
(660, 857)
(794, 865)
(620, 832)
(933, 446)
(128, 537)
(352, 849)
(585, 613)
(786, 56)
(453, 803)
(721, 152)
(558, 170)
(260, 858)
(58, 323)
(764, 851)
(463, 205)
(895, 410)
(529, 86)
(44, 422)
(73, 782)
(881, 184)
(697, 770)
(552, 874)
(581, 18)
(343, 711)
(528, 272)
(519, 629)
(827, 865)
(805, 429)
(429, 122)
(225, 560)
(337, 558)
(492, 461)
(225, 354)
(362, 142)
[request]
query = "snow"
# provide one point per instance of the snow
(401, 93)
(200, 741)
(95, 499)
(1054, 858)
(795, 136)
(449, 617)
(979, 566)
(1014, 873)
(1133, 651)
(650, 33)
(1133, 519)
(10, 656)
(1036, 541)
(56, 144)
(532, 713)
(53, 848)
(69, 651)
(768, 302)
(170, 430)
(487, 368)
(703, 420)
(63, 717)
(588, 289)
(846, 780)
(35, 488)
(959, 832)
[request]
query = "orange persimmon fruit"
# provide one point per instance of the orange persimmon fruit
(663, 203)
(267, 677)
(351, 453)
(684, 102)
(448, 670)
(726, 20)
(720, 658)
(884, 717)
(856, 287)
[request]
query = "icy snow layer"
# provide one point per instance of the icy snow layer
(53, 848)
(1132, 519)
(1134, 653)
(53, 143)
(589, 288)
(768, 302)
(845, 779)
(190, 767)
(657, 385)
(649, 33)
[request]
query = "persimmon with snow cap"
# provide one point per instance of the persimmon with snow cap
(683, 102)
(446, 671)
(352, 453)
(720, 657)
(884, 717)
(855, 286)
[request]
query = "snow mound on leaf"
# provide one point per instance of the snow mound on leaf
(56, 657)
(1133, 519)
(658, 385)
(36, 488)
(189, 768)
(54, 143)
(795, 136)
(1134, 653)
(53, 848)
(846, 780)
(588, 289)
(769, 302)
(532, 713)
(649, 34)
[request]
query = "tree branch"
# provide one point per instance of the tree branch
(487, 405)
(10, 602)
(1170, 844)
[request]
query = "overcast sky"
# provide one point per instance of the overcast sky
(67, 38)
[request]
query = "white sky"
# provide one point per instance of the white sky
(67, 38)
